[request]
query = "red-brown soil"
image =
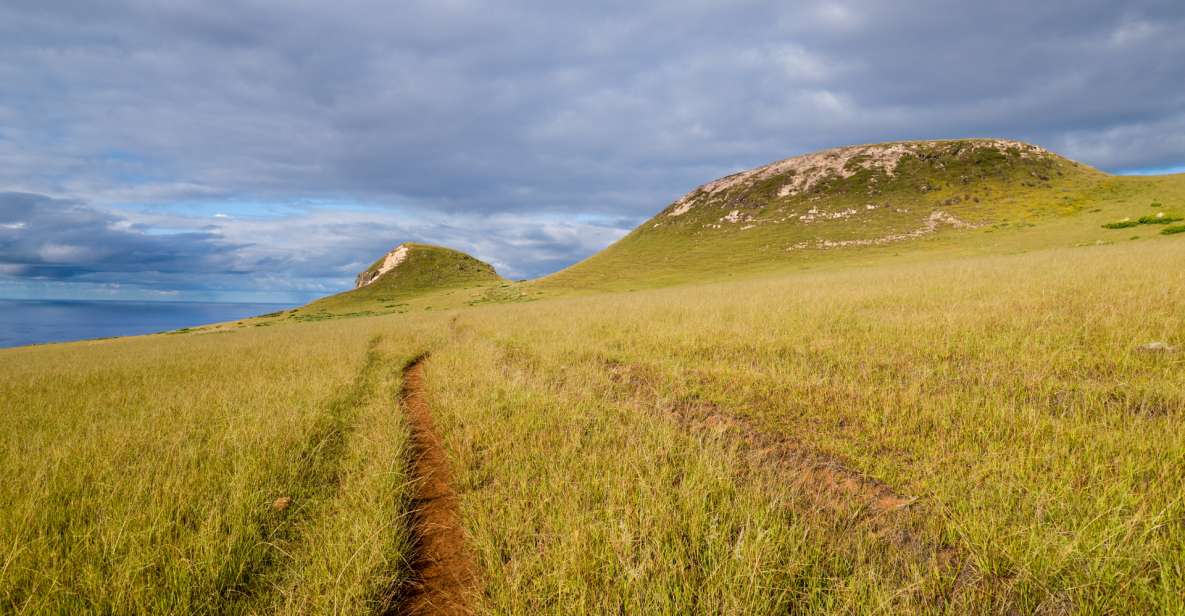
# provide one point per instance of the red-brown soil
(444, 576)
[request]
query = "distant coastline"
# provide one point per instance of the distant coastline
(32, 321)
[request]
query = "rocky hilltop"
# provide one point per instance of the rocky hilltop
(842, 198)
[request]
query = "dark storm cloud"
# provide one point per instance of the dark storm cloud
(524, 109)
(305, 254)
(44, 238)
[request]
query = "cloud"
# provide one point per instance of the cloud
(304, 253)
(53, 239)
(323, 248)
(498, 125)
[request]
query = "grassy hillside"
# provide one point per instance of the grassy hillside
(424, 274)
(866, 204)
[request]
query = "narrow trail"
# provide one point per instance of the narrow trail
(444, 575)
(241, 582)
(823, 484)
(826, 477)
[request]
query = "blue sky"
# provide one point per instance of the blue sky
(267, 150)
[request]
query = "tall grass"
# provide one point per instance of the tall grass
(1008, 394)
(140, 474)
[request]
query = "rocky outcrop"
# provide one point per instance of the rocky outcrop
(391, 261)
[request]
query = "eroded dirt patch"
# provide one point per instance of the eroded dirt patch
(444, 576)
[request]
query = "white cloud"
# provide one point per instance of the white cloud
(62, 253)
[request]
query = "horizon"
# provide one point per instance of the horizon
(194, 154)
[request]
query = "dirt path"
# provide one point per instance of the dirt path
(444, 576)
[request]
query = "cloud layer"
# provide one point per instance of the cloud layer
(506, 128)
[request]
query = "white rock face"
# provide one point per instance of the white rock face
(930, 225)
(810, 169)
(390, 262)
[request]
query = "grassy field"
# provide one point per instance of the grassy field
(140, 474)
(1006, 394)
(613, 453)
(967, 422)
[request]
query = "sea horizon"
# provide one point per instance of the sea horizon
(25, 322)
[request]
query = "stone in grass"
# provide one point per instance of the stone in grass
(1156, 347)
(282, 503)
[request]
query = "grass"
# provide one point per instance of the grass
(140, 473)
(999, 193)
(429, 275)
(1004, 392)
(1158, 219)
(704, 435)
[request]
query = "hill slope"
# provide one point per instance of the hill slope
(407, 273)
(863, 202)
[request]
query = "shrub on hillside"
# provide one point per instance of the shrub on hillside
(1122, 224)
(1159, 218)
(1173, 230)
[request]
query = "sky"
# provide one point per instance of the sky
(270, 150)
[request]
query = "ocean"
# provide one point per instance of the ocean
(37, 321)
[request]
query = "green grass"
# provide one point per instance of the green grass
(661, 448)
(1173, 230)
(1011, 209)
(1159, 219)
(1001, 193)
(430, 275)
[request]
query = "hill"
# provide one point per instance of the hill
(410, 273)
(867, 202)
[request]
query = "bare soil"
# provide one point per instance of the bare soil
(444, 576)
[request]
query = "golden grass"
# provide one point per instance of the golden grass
(1005, 392)
(140, 474)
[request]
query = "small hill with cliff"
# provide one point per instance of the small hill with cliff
(409, 272)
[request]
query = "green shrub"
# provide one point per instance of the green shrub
(1158, 219)
(1173, 230)
(1123, 224)
(1157, 204)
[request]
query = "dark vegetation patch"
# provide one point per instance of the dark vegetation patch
(1159, 219)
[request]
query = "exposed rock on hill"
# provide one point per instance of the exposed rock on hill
(839, 201)
(389, 262)
(411, 266)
